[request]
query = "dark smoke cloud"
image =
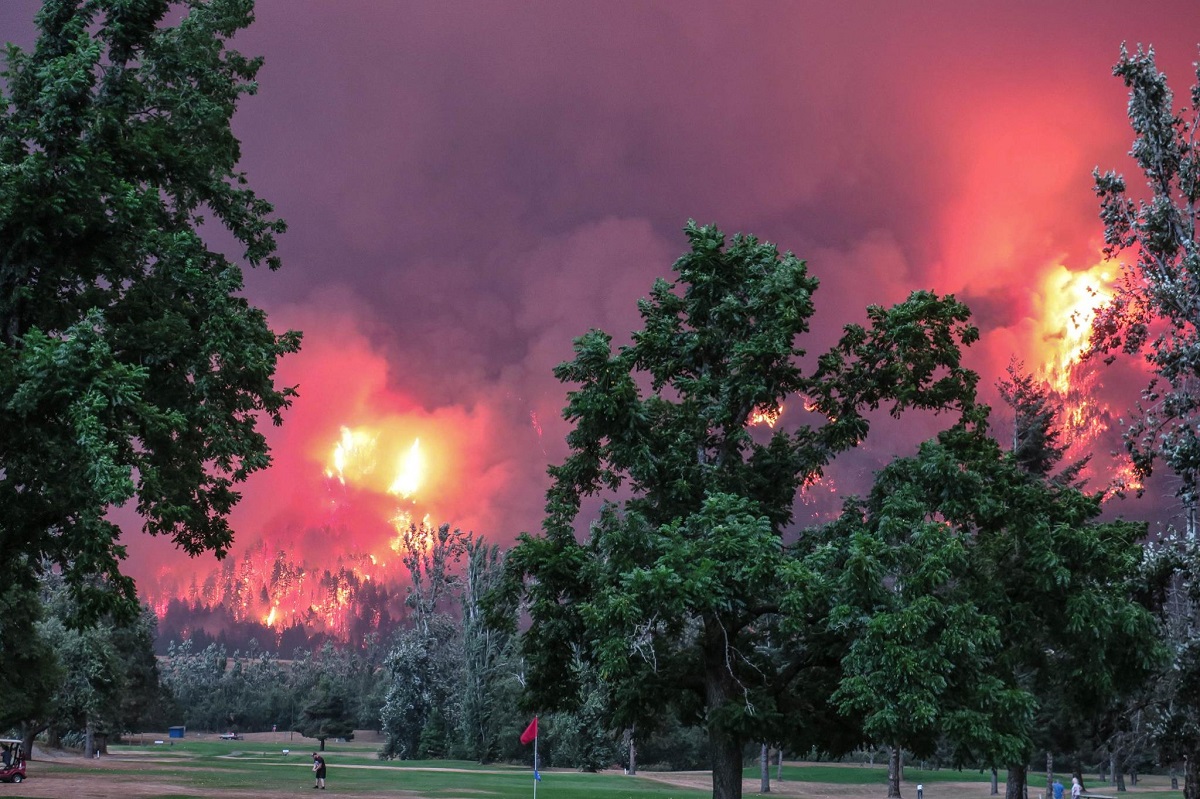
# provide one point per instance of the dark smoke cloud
(471, 185)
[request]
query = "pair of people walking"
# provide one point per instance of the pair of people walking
(1076, 789)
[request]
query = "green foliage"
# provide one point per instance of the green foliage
(1036, 445)
(676, 595)
(420, 675)
(489, 688)
(424, 667)
(916, 664)
(581, 739)
(32, 670)
(130, 366)
(1156, 313)
(1156, 307)
(672, 747)
(102, 678)
(328, 713)
(253, 690)
(195, 679)
(976, 592)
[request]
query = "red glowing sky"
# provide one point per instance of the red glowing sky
(471, 185)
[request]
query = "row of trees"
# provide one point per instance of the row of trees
(71, 679)
(973, 573)
(970, 601)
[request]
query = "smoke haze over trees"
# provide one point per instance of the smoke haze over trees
(705, 586)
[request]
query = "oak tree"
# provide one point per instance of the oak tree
(131, 367)
(978, 593)
(678, 590)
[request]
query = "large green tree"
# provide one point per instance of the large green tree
(490, 664)
(919, 647)
(32, 670)
(677, 592)
(328, 712)
(424, 667)
(978, 594)
(1155, 313)
(131, 368)
(104, 676)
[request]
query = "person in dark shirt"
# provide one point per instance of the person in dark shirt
(318, 771)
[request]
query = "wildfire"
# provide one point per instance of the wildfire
(409, 535)
(354, 450)
(766, 415)
(359, 579)
(408, 478)
(1069, 301)
(1124, 482)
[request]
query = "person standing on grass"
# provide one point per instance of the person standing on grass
(318, 771)
(1057, 789)
(1076, 788)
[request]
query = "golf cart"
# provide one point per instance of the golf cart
(12, 760)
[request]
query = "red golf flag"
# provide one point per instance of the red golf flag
(530, 732)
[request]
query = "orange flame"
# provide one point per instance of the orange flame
(1069, 301)
(354, 450)
(408, 479)
(767, 415)
(270, 584)
(1124, 482)
(403, 522)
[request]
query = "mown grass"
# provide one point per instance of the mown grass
(1152, 787)
(208, 768)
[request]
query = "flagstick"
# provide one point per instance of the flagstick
(535, 763)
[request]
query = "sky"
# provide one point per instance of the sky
(471, 185)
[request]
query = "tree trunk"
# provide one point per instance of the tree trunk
(726, 753)
(1191, 777)
(1049, 775)
(632, 752)
(894, 773)
(28, 733)
(764, 763)
(995, 782)
(1015, 788)
(725, 748)
(89, 740)
(779, 764)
